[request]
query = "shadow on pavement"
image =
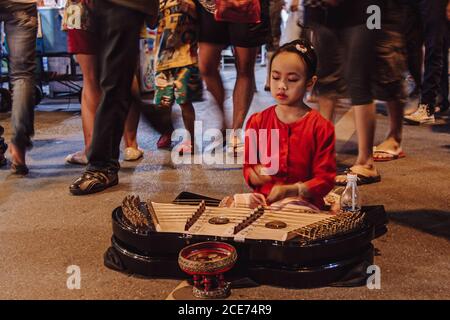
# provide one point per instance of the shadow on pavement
(434, 222)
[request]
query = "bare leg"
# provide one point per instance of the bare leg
(269, 56)
(17, 155)
(365, 117)
(132, 122)
(188, 113)
(243, 89)
(395, 109)
(394, 137)
(326, 107)
(209, 61)
(90, 96)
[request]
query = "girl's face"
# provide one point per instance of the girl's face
(288, 83)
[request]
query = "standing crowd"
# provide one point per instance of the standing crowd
(338, 54)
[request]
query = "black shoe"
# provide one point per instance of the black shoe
(2, 160)
(93, 181)
(19, 169)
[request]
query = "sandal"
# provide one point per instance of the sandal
(19, 169)
(92, 181)
(165, 140)
(361, 179)
(382, 155)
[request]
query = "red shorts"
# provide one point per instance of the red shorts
(81, 41)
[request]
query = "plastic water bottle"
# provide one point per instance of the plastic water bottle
(350, 198)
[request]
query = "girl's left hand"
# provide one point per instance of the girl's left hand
(279, 192)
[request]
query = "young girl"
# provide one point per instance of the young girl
(305, 157)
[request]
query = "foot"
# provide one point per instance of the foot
(92, 181)
(366, 175)
(132, 154)
(421, 116)
(389, 149)
(19, 169)
(18, 165)
(165, 141)
(78, 157)
(184, 148)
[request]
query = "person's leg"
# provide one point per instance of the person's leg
(434, 23)
(414, 43)
(21, 30)
(243, 93)
(188, 113)
(132, 121)
(444, 104)
(90, 96)
(330, 84)
(327, 105)
(209, 61)
(120, 39)
(358, 72)
(132, 151)
(393, 140)
(120, 29)
(389, 84)
(273, 44)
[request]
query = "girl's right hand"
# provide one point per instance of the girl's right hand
(256, 177)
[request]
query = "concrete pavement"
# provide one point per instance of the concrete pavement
(44, 230)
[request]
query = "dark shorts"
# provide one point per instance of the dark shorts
(245, 35)
(346, 59)
(81, 42)
(389, 77)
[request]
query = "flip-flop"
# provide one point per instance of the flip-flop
(393, 155)
(361, 179)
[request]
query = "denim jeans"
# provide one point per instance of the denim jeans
(21, 30)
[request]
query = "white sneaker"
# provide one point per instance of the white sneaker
(132, 154)
(420, 116)
(77, 158)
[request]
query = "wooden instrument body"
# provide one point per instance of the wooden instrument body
(286, 264)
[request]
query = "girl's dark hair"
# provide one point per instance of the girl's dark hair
(305, 50)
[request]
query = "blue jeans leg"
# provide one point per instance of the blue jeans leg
(21, 31)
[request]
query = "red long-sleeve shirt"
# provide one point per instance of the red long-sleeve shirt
(306, 152)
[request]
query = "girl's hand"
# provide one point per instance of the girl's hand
(258, 179)
(279, 192)
(256, 200)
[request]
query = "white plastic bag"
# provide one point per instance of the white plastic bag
(291, 30)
